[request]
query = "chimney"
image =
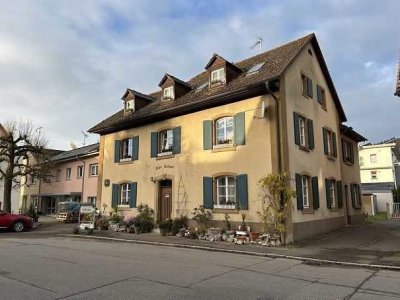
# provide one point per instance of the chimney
(397, 92)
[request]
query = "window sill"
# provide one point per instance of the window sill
(304, 148)
(165, 156)
(307, 211)
(125, 161)
(225, 206)
(349, 163)
(223, 147)
(331, 157)
(224, 211)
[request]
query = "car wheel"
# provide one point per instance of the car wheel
(18, 226)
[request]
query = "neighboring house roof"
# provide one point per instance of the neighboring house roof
(351, 133)
(276, 61)
(75, 153)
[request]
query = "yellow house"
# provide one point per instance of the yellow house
(208, 141)
(378, 171)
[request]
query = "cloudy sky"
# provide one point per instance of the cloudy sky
(64, 65)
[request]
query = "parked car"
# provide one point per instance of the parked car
(14, 222)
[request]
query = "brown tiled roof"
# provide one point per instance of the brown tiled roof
(276, 61)
(351, 133)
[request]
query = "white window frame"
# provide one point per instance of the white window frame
(302, 131)
(226, 140)
(126, 150)
(165, 138)
(218, 76)
(92, 199)
(305, 187)
(95, 168)
(168, 93)
(332, 192)
(124, 195)
(130, 105)
(225, 186)
(79, 171)
(329, 141)
(373, 158)
(68, 173)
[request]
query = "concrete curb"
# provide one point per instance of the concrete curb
(271, 255)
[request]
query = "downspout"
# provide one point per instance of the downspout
(278, 129)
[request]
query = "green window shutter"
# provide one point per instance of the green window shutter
(319, 94)
(310, 129)
(339, 194)
(327, 189)
(334, 144)
(135, 148)
(132, 194)
(299, 192)
(176, 147)
(241, 192)
(154, 144)
(117, 151)
(296, 128)
(353, 196)
(309, 88)
(359, 196)
(240, 129)
(325, 137)
(207, 134)
(208, 192)
(115, 195)
(351, 153)
(315, 192)
(344, 149)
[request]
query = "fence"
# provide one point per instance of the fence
(393, 210)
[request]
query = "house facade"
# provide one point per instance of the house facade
(209, 140)
(72, 176)
(378, 168)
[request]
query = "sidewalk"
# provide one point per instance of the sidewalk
(369, 245)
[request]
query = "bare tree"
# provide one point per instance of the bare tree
(22, 151)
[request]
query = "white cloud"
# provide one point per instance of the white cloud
(65, 65)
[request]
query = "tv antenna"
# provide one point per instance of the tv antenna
(85, 135)
(259, 42)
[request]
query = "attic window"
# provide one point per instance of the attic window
(218, 76)
(254, 69)
(201, 87)
(130, 105)
(169, 93)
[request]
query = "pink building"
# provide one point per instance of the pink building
(73, 178)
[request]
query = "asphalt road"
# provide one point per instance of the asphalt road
(41, 266)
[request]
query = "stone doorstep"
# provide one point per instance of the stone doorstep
(308, 260)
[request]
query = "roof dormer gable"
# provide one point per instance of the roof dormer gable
(172, 87)
(134, 100)
(221, 71)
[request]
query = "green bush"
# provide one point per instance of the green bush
(179, 223)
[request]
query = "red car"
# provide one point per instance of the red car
(16, 223)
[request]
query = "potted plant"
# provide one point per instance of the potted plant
(102, 223)
(178, 224)
(165, 227)
(243, 226)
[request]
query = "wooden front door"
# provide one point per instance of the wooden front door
(164, 200)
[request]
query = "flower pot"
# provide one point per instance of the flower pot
(254, 235)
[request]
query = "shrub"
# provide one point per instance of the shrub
(102, 223)
(115, 217)
(179, 223)
(202, 217)
(165, 226)
(145, 218)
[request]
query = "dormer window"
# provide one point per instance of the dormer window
(169, 93)
(130, 105)
(218, 76)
